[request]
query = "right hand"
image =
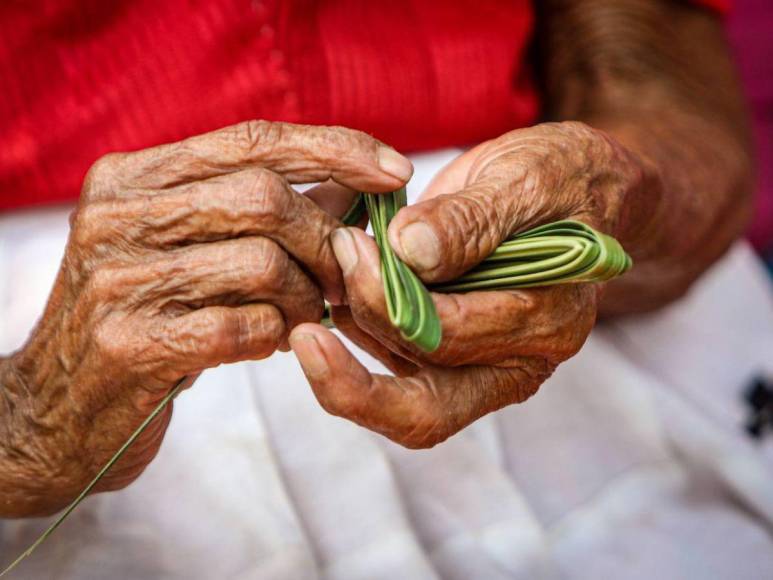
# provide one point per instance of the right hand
(180, 258)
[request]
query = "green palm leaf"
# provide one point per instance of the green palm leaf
(409, 304)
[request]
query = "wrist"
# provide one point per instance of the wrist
(37, 474)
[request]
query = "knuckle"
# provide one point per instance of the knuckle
(101, 175)
(259, 179)
(368, 306)
(270, 197)
(582, 145)
(424, 431)
(105, 165)
(428, 424)
(336, 405)
(82, 226)
(269, 322)
(87, 224)
(234, 335)
(575, 128)
(564, 347)
(567, 135)
(427, 441)
(547, 322)
(250, 334)
(339, 403)
(335, 147)
(470, 223)
(224, 338)
(344, 139)
(574, 320)
(524, 378)
(104, 284)
(109, 344)
(525, 303)
(259, 134)
(270, 264)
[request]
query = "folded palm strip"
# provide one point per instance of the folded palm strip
(563, 252)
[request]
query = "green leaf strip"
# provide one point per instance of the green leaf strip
(409, 303)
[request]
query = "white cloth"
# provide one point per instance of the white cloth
(630, 463)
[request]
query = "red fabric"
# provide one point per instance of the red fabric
(721, 6)
(84, 77)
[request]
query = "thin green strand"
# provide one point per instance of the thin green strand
(89, 488)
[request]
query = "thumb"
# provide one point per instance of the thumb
(444, 236)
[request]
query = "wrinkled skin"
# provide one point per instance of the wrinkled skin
(180, 258)
(498, 346)
(194, 254)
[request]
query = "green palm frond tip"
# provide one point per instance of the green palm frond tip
(409, 303)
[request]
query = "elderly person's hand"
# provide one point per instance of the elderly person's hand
(498, 346)
(181, 257)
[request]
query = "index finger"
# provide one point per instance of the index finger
(301, 153)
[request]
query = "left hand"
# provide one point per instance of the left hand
(181, 257)
(498, 346)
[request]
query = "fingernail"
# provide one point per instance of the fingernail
(344, 249)
(391, 162)
(420, 246)
(309, 354)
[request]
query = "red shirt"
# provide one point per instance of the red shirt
(84, 77)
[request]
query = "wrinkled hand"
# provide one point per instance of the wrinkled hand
(181, 257)
(498, 346)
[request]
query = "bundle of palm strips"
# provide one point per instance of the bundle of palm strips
(563, 252)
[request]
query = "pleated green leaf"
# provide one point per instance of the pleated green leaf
(564, 252)
(409, 304)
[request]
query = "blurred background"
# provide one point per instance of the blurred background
(750, 30)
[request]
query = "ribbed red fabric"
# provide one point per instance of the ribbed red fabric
(79, 78)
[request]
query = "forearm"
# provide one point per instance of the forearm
(656, 77)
